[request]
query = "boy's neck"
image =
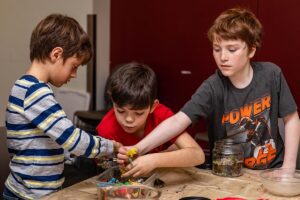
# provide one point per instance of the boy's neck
(39, 70)
(243, 79)
(140, 133)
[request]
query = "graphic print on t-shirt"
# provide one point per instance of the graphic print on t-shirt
(250, 125)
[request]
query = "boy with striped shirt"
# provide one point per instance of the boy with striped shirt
(38, 130)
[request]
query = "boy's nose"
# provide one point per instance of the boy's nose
(129, 119)
(224, 56)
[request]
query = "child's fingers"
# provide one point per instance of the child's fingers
(130, 172)
(122, 156)
(123, 150)
(117, 146)
(136, 174)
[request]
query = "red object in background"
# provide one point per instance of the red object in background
(230, 198)
(236, 198)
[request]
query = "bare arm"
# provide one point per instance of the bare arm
(165, 131)
(292, 138)
(187, 154)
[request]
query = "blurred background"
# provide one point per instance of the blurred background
(168, 35)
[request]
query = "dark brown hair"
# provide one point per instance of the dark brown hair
(237, 23)
(58, 30)
(133, 84)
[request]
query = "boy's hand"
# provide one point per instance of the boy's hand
(122, 156)
(141, 166)
(117, 146)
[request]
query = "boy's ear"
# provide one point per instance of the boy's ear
(252, 51)
(56, 54)
(154, 105)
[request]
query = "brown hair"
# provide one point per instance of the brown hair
(237, 23)
(133, 84)
(58, 30)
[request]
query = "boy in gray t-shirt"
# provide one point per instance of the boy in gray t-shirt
(242, 100)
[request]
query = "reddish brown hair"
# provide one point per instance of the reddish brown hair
(237, 23)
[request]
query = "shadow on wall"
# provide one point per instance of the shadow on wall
(4, 156)
(72, 100)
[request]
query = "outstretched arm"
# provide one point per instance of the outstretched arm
(42, 110)
(187, 153)
(292, 138)
(165, 131)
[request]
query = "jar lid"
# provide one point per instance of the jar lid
(194, 198)
(228, 146)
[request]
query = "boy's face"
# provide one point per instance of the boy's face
(232, 57)
(62, 72)
(132, 121)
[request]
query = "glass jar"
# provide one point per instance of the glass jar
(228, 158)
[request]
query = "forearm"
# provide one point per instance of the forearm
(187, 157)
(81, 143)
(168, 129)
(48, 116)
(292, 138)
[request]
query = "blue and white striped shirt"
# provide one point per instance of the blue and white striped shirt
(38, 131)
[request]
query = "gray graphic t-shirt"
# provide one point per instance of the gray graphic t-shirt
(249, 115)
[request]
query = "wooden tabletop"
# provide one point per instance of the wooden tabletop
(182, 182)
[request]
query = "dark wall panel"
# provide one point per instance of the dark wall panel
(170, 36)
(281, 42)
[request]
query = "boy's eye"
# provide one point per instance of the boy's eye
(120, 111)
(232, 50)
(139, 113)
(216, 49)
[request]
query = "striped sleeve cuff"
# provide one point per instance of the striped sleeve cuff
(107, 147)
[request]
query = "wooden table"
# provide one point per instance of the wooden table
(181, 182)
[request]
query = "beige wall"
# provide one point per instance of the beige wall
(18, 18)
(102, 9)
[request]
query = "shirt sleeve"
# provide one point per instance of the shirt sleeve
(41, 108)
(200, 103)
(287, 104)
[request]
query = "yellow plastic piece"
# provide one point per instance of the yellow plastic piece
(132, 152)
